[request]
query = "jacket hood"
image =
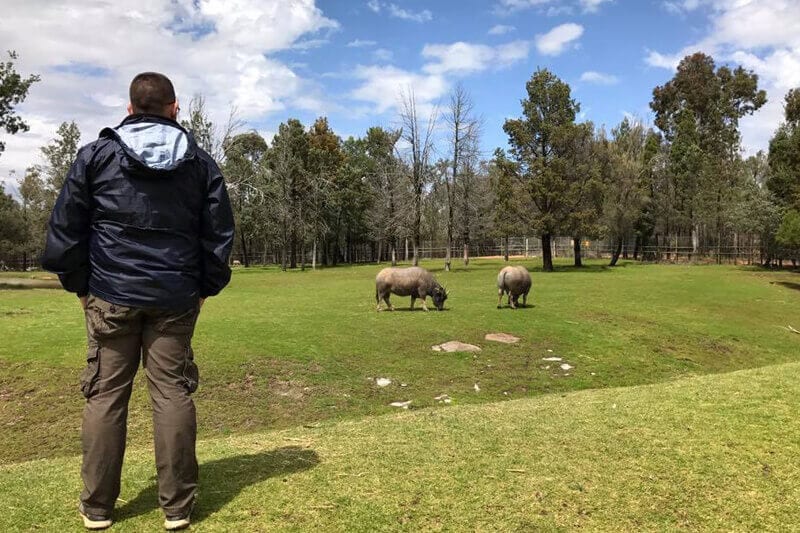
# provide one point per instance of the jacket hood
(152, 142)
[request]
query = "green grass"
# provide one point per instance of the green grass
(715, 453)
(279, 350)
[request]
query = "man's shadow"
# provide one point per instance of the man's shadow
(222, 480)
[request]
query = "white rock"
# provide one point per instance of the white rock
(402, 405)
(455, 346)
(565, 366)
(502, 337)
(404, 384)
(477, 389)
(549, 350)
(551, 359)
(383, 382)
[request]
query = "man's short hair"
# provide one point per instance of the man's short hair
(151, 92)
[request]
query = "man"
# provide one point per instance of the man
(141, 232)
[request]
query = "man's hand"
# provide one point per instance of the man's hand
(83, 301)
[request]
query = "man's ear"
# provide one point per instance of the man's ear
(130, 109)
(176, 108)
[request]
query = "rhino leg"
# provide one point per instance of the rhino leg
(413, 299)
(525, 299)
(424, 306)
(499, 298)
(512, 300)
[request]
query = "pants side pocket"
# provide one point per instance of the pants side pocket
(191, 374)
(90, 373)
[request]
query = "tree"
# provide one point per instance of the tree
(244, 171)
(13, 91)
(505, 207)
(541, 145)
(464, 131)
(382, 172)
(208, 136)
(59, 156)
(327, 181)
(586, 160)
(287, 161)
(698, 111)
(784, 155)
(420, 145)
(35, 198)
(788, 234)
(626, 188)
(11, 228)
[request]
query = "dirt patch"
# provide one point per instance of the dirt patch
(29, 283)
(293, 390)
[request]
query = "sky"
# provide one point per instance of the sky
(273, 60)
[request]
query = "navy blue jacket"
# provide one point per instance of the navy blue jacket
(143, 219)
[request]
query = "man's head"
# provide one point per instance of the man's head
(153, 93)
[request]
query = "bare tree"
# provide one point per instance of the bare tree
(464, 131)
(420, 145)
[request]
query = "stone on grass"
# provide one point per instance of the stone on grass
(502, 337)
(551, 359)
(477, 388)
(566, 366)
(383, 382)
(455, 346)
(443, 398)
(402, 405)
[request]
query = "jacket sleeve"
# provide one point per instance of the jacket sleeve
(216, 236)
(66, 250)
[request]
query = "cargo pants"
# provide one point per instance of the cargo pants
(118, 338)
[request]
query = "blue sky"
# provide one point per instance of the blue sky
(349, 60)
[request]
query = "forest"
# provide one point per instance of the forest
(681, 189)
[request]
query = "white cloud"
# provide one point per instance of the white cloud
(398, 12)
(505, 7)
(501, 29)
(600, 78)
(382, 55)
(359, 43)
(382, 86)
(592, 6)
(220, 48)
(464, 58)
(553, 7)
(420, 16)
(555, 11)
(558, 39)
(760, 35)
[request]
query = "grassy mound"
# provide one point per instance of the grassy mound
(716, 452)
(286, 349)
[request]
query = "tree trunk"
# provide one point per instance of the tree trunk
(447, 255)
(547, 252)
(314, 256)
(617, 251)
(636, 244)
(576, 246)
(380, 251)
(466, 254)
(505, 248)
(244, 249)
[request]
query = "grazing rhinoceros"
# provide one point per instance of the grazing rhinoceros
(514, 281)
(414, 281)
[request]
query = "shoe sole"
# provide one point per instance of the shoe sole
(95, 525)
(175, 525)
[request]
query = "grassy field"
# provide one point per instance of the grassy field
(715, 453)
(280, 350)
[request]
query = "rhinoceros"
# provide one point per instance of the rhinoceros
(414, 281)
(514, 281)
